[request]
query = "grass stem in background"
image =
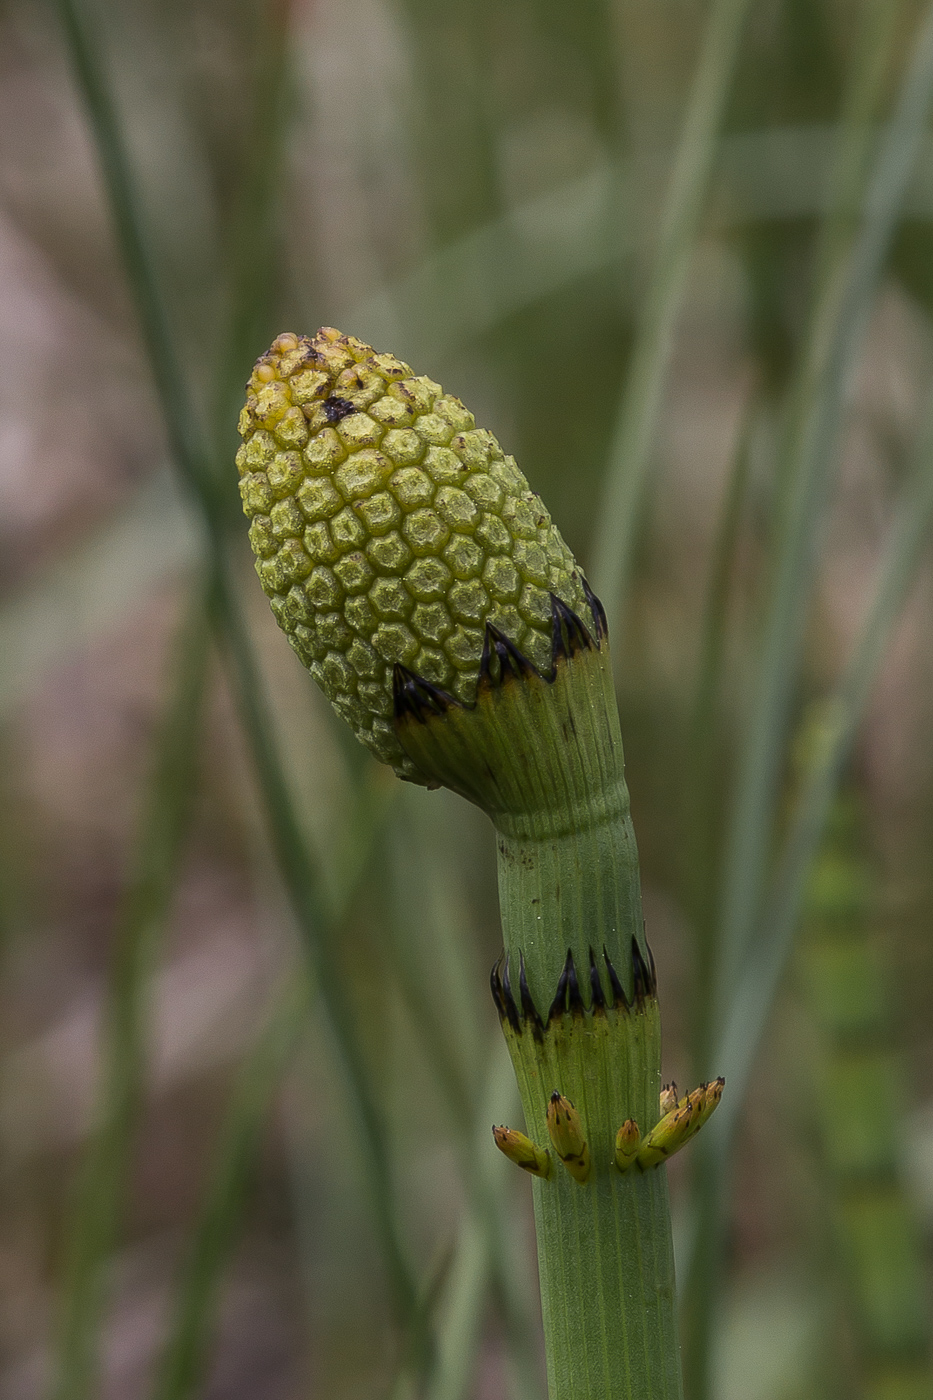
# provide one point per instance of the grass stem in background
(751, 956)
(619, 516)
(193, 460)
(183, 1362)
(257, 1082)
(105, 1171)
(251, 277)
(429, 946)
(739, 1041)
(704, 744)
(851, 262)
(487, 1255)
(880, 1344)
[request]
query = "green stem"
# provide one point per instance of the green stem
(604, 1246)
(541, 754)
(568, 880)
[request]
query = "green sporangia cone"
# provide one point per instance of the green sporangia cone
(389, 529)
(424, 586)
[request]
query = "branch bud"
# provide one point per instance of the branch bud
(522, 1151)
(628, 1141)
(566, 1132)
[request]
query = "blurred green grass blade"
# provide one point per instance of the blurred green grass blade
(252, 273)
(430, 934)
(514, 1285)
(181, 417)
(841, 309)
(466, 289)
(509, 1271)
(105, 1170)
(620, 511)
(745, 1025)
(184, 1359)
(470, 286)
(703, 780)
(225, 1196)
(741, 1037)
(458, 1336)
(488, 1258)
(319, 941)
(193, 461)
(429, 939)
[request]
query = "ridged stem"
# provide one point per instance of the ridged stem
(541, 754)
(567, 858)
(604, 1246)
(568, 881)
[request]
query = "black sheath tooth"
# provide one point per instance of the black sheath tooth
(596, 986)
(512, 660)
(600, 625)
(511, 1010)
(495, 984)
(502, 660)
(618, 991)
(568, 633)
(413, 695)
(574, 999)
(529, 1010)
(559, 1004)
(644, 979)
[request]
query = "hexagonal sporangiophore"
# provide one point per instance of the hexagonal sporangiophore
(389, 529)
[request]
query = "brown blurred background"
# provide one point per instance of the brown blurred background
(477, 188)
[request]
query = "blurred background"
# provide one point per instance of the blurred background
(679, 258)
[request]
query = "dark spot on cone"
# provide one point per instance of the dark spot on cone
(336, 408)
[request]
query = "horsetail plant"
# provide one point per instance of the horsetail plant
(426, 589)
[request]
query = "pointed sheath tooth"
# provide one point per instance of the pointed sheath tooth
(598, 612)
(645, 980)
(568, 632)
(574, 999)
(502, 993)
(669, 1097)
(565, 1128)
(522, 1151)
(628, 1141)
(411, 695)
(618, 991)
(559, 1004)
(495, 984)
(529, 1010)
(597, 995)
(515, 1021)
(513, 663)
